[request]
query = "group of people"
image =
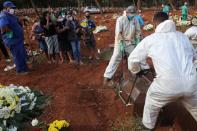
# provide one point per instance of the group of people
(171, 52)
(184, 10)
(58, 35)
(172, 56)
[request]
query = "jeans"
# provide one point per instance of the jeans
(20, 56)
(76, 50)
(4, 50)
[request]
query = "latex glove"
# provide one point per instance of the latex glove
(143, 72)
(137, 41)
(9, 35)
(135, 68)
(122, 46)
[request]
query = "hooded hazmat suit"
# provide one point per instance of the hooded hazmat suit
(191, 33)
(176, 77)
(127, 31)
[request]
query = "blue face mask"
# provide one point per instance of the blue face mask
(130, 17)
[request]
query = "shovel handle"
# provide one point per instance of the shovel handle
(134, 82)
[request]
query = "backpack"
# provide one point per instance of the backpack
(38, 31)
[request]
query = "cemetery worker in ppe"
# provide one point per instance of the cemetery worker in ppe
(166, 8)
(184, 11)
(191, 33)
(176, 76)
(13, 36)
(127, 35)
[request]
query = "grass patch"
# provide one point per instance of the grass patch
(128, 124)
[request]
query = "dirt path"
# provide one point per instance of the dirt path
(78, 95)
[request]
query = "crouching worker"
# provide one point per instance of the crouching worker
(13, 36)
(191, 33)
(126, 34)
(176, 79)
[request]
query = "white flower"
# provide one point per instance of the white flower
(34, 122)
(1, 129)
(4, 123)
(27, 88)
(12, 128)
(31, 97)
(5, 113)
(33, 103)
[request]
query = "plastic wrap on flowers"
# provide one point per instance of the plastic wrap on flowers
(19, 105)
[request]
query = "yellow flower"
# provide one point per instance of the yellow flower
(57, 125)
(51, 128)
(1, 86)
(84, 24)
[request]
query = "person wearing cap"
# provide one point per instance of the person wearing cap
(184, 11)
(176, 77)
(127, 35)
(165, 8)
(13, 36)
(191, 33)
(88, 26)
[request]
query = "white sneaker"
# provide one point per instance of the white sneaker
(8, 60)
(8, 68)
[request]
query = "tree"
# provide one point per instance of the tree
(34, 6)
(79, 5)
(99, 6)
(139, 4)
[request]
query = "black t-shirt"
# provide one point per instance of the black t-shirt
(62, 35)
(51, 30)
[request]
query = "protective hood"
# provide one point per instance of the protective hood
(166, 26)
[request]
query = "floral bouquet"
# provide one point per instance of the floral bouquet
(57, 125)
(18, 105)
(148, 27)
(194, 21)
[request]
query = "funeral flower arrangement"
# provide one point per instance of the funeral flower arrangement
(180, 22)
(148, 27)
(19, 105)
(57, 125)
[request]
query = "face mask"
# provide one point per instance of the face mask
(63, 15)
(130, 17)
(11, 11)
(88, 17)
(70, 18)
(60, 20)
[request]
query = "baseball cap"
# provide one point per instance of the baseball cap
(131, 9)
(8, 4)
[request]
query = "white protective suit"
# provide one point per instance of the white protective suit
(127, 31)
(176, 77)
(191, 33)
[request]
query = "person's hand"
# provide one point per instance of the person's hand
(122, 46)
(142, 72)
(48, 17)
(135, 68)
